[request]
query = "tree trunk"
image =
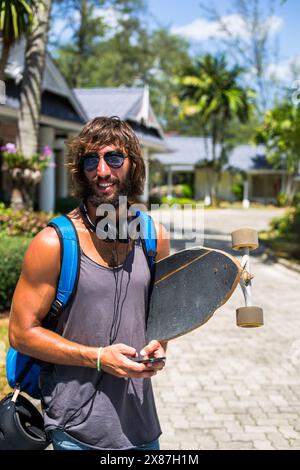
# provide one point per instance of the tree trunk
(31, 89)
(4, 58)
(291, 188)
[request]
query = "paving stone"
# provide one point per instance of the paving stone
(237, 445)
(260, 429)
(289, 433)
(294, 442)
(220, 435)
(278, 441)
(263, 445)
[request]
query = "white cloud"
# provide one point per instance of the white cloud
(202, 29)
(285, 71)
(274, 24)
(109, 15)
(61, 28)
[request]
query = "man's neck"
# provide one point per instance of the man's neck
(91, 210)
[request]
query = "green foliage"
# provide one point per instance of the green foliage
(288, 225)
(211, 91)
(187, 191)
(4, 343)
(237, 190)
(282, 199)
(156, 173)
(296, 200)
(12, 251)
(15, 19)
(284, 235)
(280, 133)
(238, 133)
(24, 223)
(178, 191)
(181, 201)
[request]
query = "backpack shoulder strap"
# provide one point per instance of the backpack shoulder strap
(70, 259)
(149, 238)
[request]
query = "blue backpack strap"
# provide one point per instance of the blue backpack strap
(23, 370)
(70, 260)
(149, 238)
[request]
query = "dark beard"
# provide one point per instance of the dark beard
(123, 188)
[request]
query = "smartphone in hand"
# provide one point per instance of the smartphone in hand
(151, 360)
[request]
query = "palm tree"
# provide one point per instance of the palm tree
(31, 88)
(210, 91)
(15, 21)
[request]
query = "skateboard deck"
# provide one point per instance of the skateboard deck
(189, 286)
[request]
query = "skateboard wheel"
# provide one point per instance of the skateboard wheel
(244, 238)
(249, 317)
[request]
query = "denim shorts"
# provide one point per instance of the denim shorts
(62, 441)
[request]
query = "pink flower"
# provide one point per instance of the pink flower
(9, 148)
(47, 151)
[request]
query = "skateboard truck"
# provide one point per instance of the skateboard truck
(245, 240)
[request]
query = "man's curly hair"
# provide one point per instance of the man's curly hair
(100, 132)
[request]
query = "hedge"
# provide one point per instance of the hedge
(12, 251)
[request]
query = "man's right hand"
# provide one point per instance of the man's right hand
(115, 360)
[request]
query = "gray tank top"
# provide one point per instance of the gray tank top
(101, 410)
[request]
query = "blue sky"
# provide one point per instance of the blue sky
(182, 13)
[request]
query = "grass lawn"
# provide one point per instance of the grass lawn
(4, 387)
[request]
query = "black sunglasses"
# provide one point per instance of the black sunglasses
(114, 159)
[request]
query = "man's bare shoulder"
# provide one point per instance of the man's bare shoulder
(47, 239)
(43, 254)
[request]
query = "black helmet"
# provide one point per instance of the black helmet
(21, 425)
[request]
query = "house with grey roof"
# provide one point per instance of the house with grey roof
(62, 116)
(262, 183)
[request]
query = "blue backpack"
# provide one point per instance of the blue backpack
(23, 371)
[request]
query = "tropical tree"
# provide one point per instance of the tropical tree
(210, 92)
(97, 51)
(280, 133)
(15, 21)
(31, 88)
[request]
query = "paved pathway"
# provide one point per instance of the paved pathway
(230, 388)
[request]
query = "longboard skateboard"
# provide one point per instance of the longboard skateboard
(190, 285)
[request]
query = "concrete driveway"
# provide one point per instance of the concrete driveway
(224, 387)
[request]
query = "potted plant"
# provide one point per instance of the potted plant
(24, 173)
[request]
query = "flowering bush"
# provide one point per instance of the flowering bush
(13, 158)
(23, 222)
